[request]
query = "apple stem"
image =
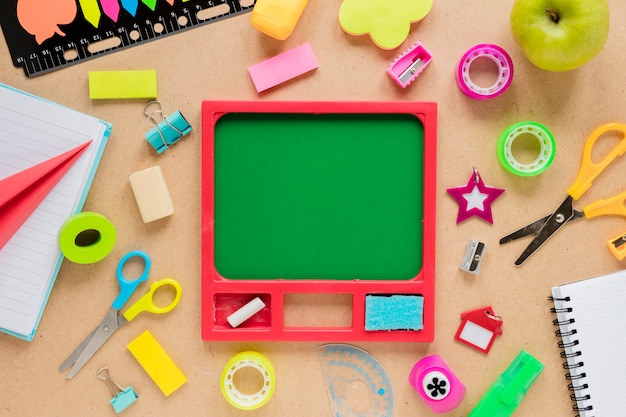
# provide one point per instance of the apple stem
(553, 15)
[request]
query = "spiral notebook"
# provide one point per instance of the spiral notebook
(591, 317)
(33, 130)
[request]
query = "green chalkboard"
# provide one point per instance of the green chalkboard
(318, 196)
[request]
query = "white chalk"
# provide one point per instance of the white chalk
(245, 312)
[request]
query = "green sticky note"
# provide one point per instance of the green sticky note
(140, 84)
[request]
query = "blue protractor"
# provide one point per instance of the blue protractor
(343, 364)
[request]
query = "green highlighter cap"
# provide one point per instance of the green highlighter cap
(508, 391)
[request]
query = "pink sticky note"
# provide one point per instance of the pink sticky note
(283, 67)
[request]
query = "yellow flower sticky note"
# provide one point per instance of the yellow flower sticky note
(388, 22)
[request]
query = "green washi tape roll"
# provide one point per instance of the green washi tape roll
(545, 156)
(87, 237)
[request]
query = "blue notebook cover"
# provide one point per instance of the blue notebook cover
(33, 130)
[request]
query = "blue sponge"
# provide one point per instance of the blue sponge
(394, 312)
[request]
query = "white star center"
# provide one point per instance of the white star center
(475, 199)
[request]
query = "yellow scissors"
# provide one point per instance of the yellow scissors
(544, 228)
(112, 321)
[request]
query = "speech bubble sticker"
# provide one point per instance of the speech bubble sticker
(42, 18)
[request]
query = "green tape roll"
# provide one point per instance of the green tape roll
(87, 237)
(545, 156)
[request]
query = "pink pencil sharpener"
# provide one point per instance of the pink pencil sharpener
(409, 65)
(436, 384)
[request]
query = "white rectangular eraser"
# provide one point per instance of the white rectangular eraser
(283, 67)
(245, 312)
(152, 195)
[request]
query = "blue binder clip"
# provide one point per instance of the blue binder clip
(122, 398)
(166, 130)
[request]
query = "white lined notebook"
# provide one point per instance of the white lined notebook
(591, 315)
(33, 130)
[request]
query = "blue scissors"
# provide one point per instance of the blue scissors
(112, 321)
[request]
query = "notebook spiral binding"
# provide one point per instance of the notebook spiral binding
(567, 333)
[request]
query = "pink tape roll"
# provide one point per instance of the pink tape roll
(485, 51)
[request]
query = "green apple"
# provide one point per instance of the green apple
(560, 35)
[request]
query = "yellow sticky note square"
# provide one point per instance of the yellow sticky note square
(157, 363)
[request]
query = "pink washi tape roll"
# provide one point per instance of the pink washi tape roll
(484, 51)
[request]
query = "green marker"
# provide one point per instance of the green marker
(510, 388)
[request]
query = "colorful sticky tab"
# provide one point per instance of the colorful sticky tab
(130, 6)
(150, 3)
(111, 8)
(122, 84)
(91, 11)
(157, 363)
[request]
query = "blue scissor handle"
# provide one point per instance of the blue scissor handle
(128, 287)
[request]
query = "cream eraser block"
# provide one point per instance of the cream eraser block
(122, 84)
(157, 363)
(152, 195)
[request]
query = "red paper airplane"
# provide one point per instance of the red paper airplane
(21, 193)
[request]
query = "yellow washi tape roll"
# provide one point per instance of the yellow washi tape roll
(233, 395)
(87, 237)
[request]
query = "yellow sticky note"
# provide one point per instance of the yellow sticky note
(157, 363)
(122, 84)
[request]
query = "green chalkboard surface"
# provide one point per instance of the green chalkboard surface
(318, 196)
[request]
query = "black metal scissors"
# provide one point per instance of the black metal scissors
(547, 226)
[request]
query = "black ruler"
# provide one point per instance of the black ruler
(46, 35)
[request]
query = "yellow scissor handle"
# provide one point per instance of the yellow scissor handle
(146, 303)
(589, 170)
(613, 205)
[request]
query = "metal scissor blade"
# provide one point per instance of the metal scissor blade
(72, 358)
(560, 217)
(102, 333)
(531, 229)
